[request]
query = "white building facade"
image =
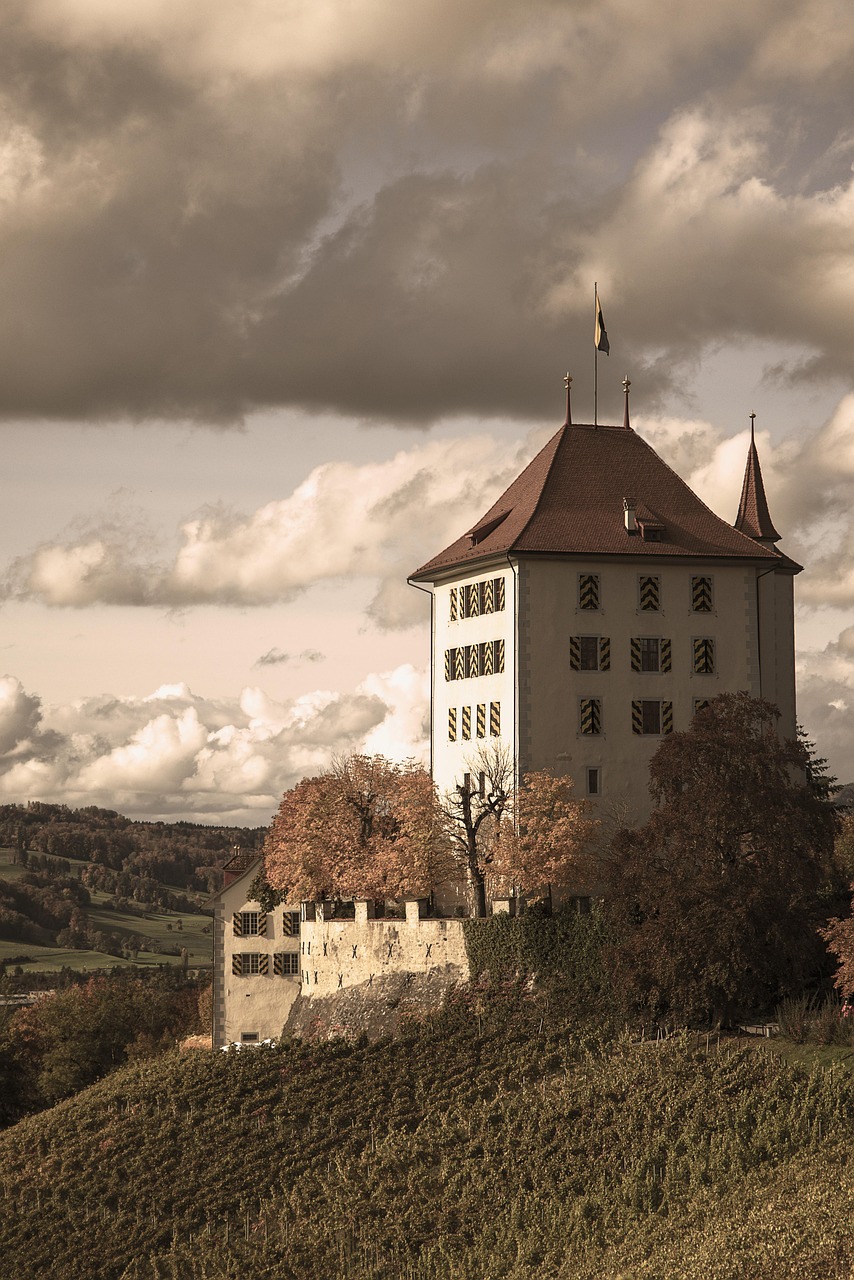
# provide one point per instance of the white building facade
(594, 609)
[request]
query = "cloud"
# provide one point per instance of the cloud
(275, 657)
(173, 754)
(397, 211)
(374, 521)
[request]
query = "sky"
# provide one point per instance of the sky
(287, 295)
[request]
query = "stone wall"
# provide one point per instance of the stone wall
(337, 954)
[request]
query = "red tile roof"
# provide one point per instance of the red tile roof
(570, 501)
(753, 516)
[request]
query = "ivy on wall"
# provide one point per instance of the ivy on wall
(565, 946)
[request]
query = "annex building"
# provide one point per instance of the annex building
(592, 610)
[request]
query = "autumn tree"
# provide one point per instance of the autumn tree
(715, 900)
(367, 828)
(549, 844)
(532, 837)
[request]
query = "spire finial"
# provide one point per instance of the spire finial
(626, 384)
(567, 382)
(752, 421)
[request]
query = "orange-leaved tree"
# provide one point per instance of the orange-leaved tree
(550, 845)
(367, 828)
(529, 838)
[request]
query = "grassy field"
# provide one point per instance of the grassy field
(524, 1151)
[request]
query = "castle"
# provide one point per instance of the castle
(594, 608)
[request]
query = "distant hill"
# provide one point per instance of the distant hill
(80, 885)
(523, 1151)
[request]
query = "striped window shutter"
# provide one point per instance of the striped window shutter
(452, 724)
(466, 723)
(666, 655)
(604, 653)
(637, 715)
(473, 659)
(237, 965)
(495, 719)
(704, 656)
(701, 594)
(278, 965)
(499, 655)
(666, 717)
(487, 658)
(237, 924)
(459, 663)
(473, 590)
(499, 594)
(575, 653)
(489, 595)
(590, 715)
(449, 663)
(453, 604)
(264, 963)
(588, 591)
(481, 719)
(262, 924)
(700, 704)
(636, 653)
(650, 593)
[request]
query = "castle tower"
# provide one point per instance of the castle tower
(594, 608)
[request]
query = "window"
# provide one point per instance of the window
(495, 719)
(702, 594)
(700, 704)
(249, 964)
(290, 924)
(470, 660)
(649, 593)
(594, 782)
(249, 1037)
(650, 653)
(589, 715)
(652, 716)
(588, 591)
(286, 964)
(250, 924)
(475, 598)
(704, 656)
(590, 653)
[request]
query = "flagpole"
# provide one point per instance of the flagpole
(595, 354)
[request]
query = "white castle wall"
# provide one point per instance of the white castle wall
(339, 954)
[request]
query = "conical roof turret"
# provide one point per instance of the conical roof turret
(753, 517)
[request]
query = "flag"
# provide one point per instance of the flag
(602, 343)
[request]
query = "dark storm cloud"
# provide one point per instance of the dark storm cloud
(398, 211)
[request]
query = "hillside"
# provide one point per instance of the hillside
(89, 888)
(516, 1150)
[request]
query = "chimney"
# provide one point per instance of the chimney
(631, 520)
